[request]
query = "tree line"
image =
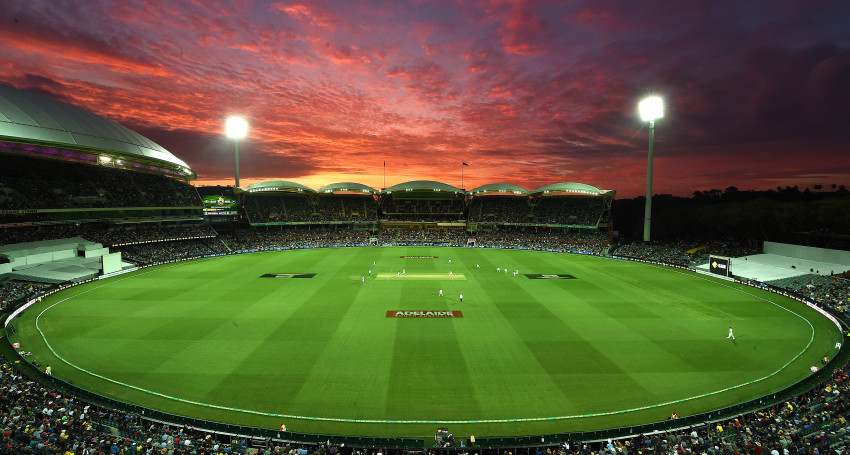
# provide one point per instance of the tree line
(814, 218)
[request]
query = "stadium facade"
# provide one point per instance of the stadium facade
(421, 204)
(62, 164)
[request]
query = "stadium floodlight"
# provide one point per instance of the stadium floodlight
(236, 128)
(651, 109)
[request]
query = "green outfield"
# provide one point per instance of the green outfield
(570, 343)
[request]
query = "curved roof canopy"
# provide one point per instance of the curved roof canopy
(278, 185)
(499, 188)
(347, 187)
(423, 185)
(571, 187)
(34, 119)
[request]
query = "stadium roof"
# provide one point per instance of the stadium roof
(423, 185)
(349, 187)
(572, 187)
(499, 188)
(33, 119)
(278, 185)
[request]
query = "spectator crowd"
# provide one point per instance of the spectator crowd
(53, 184)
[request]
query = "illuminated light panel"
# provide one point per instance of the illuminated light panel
(651, 108)
(236, 127)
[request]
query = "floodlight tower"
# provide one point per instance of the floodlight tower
(236, 128)
(651, 108)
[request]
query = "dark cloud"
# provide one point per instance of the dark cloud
(41, 85)
(212, 156)
(531, 92)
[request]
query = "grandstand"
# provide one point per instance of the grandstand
(65, 172)
(347, 202)
(422, 200)
(572, 205)
(278, 201)
(498, 203)
(61, 164)
(426, 204)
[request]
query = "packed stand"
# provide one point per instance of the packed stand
(38, 420)
(832, 291)
(423, 237)
(422, 209)
(592, 242)
(500, 209)
(271, 208)
(811, 423)
(27, 183)
(674, 255)
(292, 238)
(106, 234)
(333, 207)
(572, 210)
(685, 253)
(15, 292)
(151, 253)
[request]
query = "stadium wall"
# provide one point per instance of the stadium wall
(808, 252)
(111, 262)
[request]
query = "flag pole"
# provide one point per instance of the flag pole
(462, 164)
(385, 175)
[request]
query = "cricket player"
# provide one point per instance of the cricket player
(461, 297)
(731, 335)
(441, 292)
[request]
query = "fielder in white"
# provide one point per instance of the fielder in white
(731, 335)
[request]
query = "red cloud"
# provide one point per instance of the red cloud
(317, 17)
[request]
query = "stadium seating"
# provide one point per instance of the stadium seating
(500, 209)
(53, 184)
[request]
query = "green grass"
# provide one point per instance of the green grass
(621, 336)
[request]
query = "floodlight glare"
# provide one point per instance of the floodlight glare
(651, 108)
(236, 127)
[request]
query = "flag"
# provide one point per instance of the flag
(464, 164)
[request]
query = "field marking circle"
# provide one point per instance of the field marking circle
(441, 422)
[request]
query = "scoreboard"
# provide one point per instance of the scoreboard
(719, 265)
(220, 205)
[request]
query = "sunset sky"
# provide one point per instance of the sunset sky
(757, 94)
